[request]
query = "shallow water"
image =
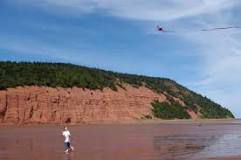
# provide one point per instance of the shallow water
(128, 142)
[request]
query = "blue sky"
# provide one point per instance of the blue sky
(121, 36)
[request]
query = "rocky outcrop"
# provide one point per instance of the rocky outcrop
(75, 105)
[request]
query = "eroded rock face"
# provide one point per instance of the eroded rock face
(75, 105)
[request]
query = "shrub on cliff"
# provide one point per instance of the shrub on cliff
(164, 110)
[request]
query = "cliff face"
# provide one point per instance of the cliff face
(75, 105)
(103, 98)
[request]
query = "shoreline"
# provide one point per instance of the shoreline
(132, 122)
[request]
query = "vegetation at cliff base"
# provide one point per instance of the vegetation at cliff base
(13, 74)
(165, 110)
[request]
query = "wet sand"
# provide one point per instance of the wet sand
(151, 141)
(226, 158)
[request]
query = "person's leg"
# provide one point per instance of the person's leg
(66, 148)
(69, 147)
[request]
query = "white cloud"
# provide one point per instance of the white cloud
(154, 10)
(60, 6)
(151, 10)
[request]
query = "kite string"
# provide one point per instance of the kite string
(221, 28)
(205, 30)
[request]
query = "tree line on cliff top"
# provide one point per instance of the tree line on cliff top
(13, 74)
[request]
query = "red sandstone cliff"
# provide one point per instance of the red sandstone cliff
(75, 105)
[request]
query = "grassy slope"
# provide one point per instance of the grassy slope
(13, 74)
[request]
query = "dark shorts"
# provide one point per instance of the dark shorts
(67, 145)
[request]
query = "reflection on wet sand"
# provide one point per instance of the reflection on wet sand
(134, 141)
(182, 146)
(67, 156)
(227, 145)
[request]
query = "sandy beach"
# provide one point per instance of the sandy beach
(170, 140)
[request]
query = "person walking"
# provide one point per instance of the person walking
(67, 145)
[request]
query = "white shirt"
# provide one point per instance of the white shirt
(66, 135)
